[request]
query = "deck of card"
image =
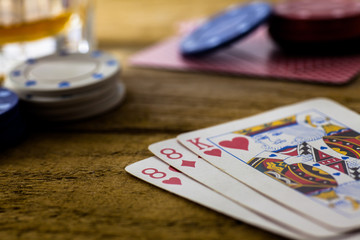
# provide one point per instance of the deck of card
(293, 171)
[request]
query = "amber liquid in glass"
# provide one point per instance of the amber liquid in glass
(33, 30)
(36, 28)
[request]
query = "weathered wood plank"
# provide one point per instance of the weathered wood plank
(54, 187)
(68, 181)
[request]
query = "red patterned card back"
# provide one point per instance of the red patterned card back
(257, 56)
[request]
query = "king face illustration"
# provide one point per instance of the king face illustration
(291, 138)
(281, 138)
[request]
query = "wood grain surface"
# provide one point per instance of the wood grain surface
(67, 181)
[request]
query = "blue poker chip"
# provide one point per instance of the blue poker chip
(13, 132)
(12, 126)
(225, 28)
(8, 104)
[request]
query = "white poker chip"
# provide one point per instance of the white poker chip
(67, 99)
(96, 102)
(61, 74)
(69, 86)
(82, 111)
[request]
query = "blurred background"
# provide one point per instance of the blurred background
(137, 22)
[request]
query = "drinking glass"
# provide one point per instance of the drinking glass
(35, 28)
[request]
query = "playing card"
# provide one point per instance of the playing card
(179, 157)
(304, 156)
(156, 172)
(256, 55)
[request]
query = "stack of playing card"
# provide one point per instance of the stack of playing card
(293, 171)
(68, 86)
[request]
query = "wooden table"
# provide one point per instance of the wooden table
(68, 181)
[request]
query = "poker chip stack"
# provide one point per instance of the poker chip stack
(12, 126)
(68, 86)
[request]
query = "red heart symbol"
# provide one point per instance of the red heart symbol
(214, 152)
(173, 180)
(237, 143)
